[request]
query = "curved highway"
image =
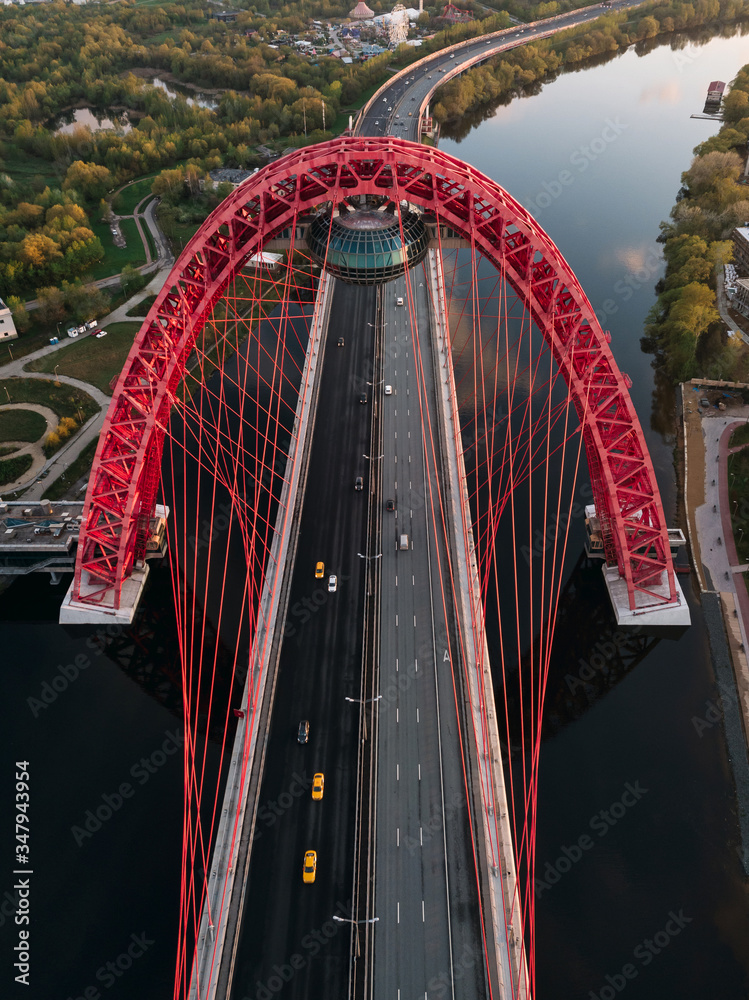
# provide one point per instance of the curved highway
(395, 108)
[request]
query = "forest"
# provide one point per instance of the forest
(56, 57)
(684, 331)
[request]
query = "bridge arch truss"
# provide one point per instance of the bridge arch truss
(125, 477)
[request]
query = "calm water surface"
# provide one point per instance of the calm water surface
(655, 901)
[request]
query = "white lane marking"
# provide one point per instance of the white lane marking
(408, 413)
(396, 484)
(396, 579)
(399, 918)
(413, 580)
(419, 772)
(422, 920)
(398, 772)
(396, 621)
(396, 435)
(398, 836)
(409, 459)
(396, 664)
(409, 435)
(421, 837)
(417, 714)
(397, 713)
(396, 459)
(414, 621)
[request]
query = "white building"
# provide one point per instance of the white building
(7, 326)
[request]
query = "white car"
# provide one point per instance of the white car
(388, 390)
(100, 334)
(332, 583)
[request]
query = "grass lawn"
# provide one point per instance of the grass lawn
(739, 436)
(21, 425)
(115, 258)
(124, 203)
(64, 400)
(12, 468)
(92, 360)
(60, 486)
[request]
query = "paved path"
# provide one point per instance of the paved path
(33, 448)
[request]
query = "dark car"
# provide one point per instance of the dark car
(390, 505)
(359, 483)
(704, 402)
(363, 397)
(340, 341)
(303, 733)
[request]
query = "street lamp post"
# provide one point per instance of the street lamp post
(348, 920)
(362, 702)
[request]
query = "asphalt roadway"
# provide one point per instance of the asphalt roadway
(396, 110)
(290, 947)
(427, 940)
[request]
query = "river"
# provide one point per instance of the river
(637, 837)
(640, 887)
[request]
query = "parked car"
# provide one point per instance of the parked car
(100, 334)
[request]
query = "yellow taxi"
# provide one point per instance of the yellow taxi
(310, 866)
(320, 570)
(318, 784)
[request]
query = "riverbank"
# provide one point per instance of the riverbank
(725, 602)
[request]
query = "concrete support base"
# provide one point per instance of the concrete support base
(76, 613)
(647, 614)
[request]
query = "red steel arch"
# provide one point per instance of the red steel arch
(122, 489)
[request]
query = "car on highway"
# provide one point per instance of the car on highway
(318, 785)
(362, 397)
(377, 123)
(388, 390)
(332, 583)
(310, 866)
(341, 342)
(302, 734)
(320, 570)
(399, 300)
(359, 483)
(390, 505)
(452, 55)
